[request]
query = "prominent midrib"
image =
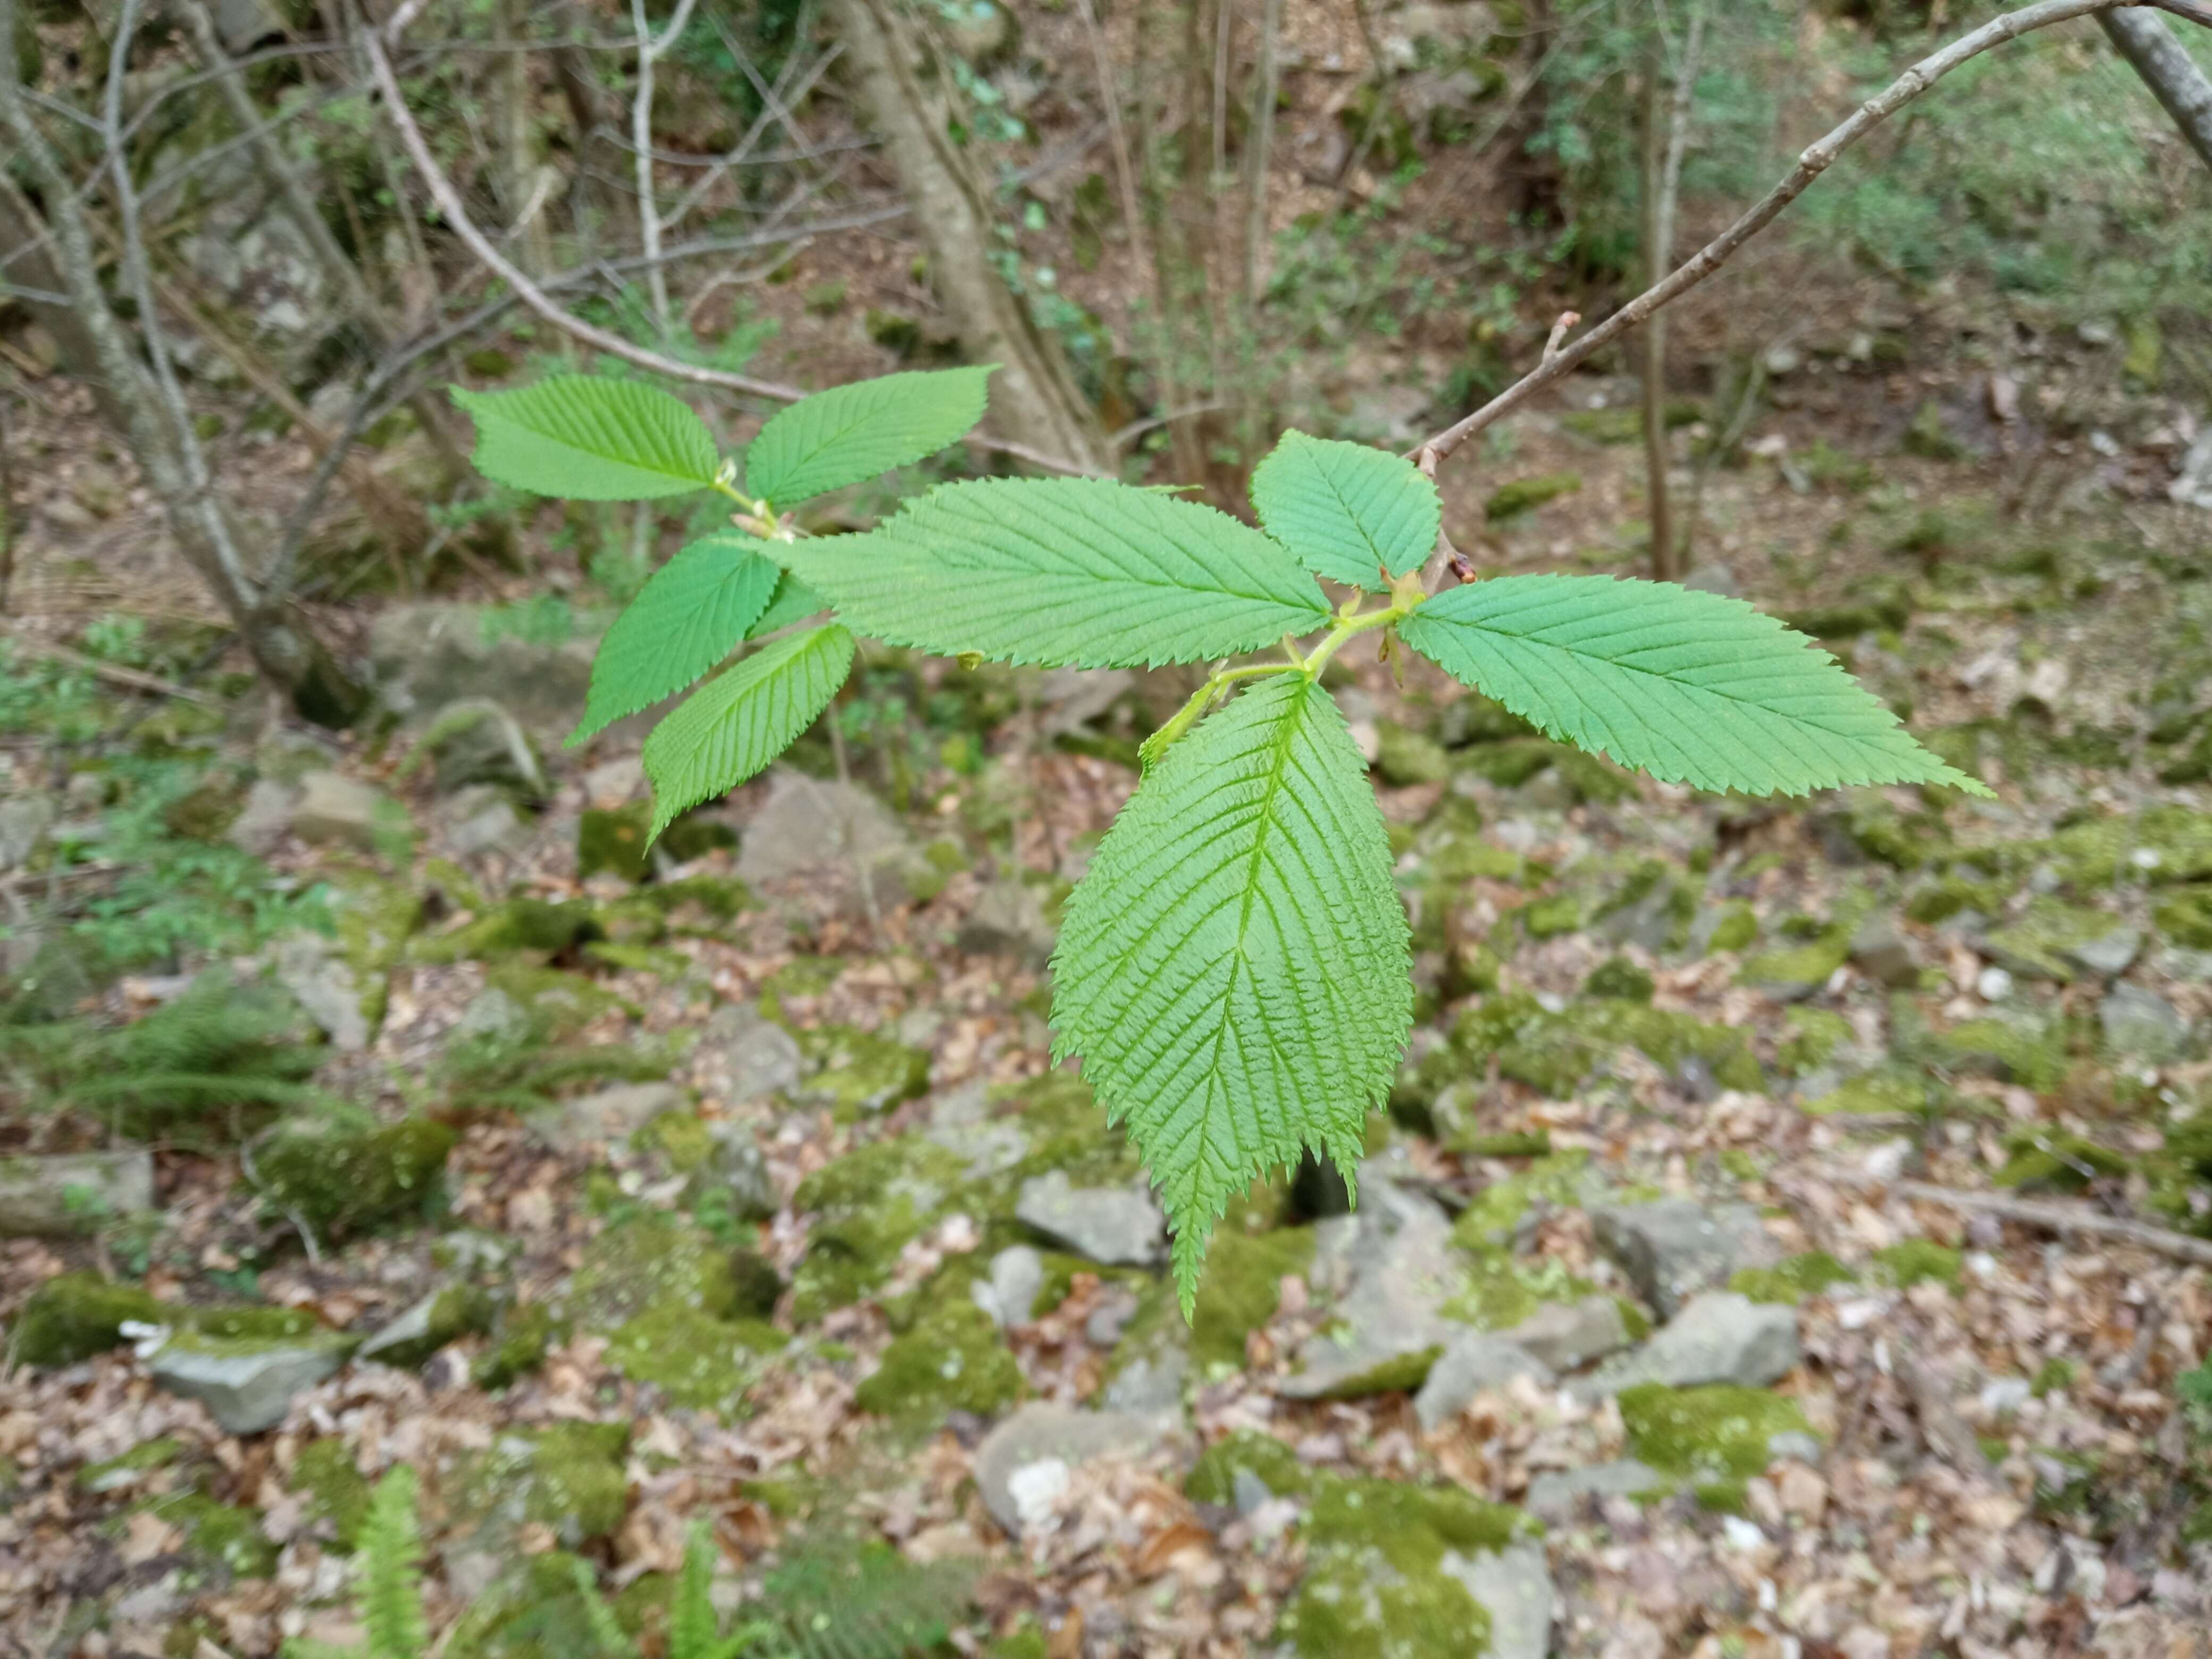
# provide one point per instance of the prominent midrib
(1671, 678)
(1278, 764)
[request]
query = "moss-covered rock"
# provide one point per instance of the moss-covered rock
(1919, 1261)
(1716, 1438)
(2039, 943)
(648, 1260)
(340, 1179)
(521, 1342)
(1242, 1289)
(868, 1204)
(1554, 1054)
(1487, 1223)
(953, 1360)
(1794, 972)
(860, 1071)
(615, 841)
(1792, 1278)
(2051, 1159)
(443, 1317)
(1810, 1039)
(568, 1477)
(227, 1536)
(2185, 917)
(535, 928)
(1619, 980)
(1212, 1479)
(2024, 1050)
(76, 1315)
(2160, 845)
(1379, 1582)
(1885, 1091)
(1405, 756)
(700, 1362)
(1503, 1290)
(1735, 928)
(338, 1491)
(1523, 496)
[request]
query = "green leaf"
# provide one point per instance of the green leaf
(1346, 511)
(1691, 687)
(733, 726)
(794, 601)
(1064, 571)
(586, 438)
(1233, 969)
(694, 612)
(390, 1592)
(855, 432)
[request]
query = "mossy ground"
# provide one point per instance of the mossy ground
(1716, 1438)
(953, 1358)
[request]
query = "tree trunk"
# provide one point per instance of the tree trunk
(285, 653)
(299, 207)
(2168, 70)
(1659, 507)
(30, 267)
(1035, 400)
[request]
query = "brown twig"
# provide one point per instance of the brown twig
(2064, 1219)
(1815, 160)
(129, 679)
(457, 215)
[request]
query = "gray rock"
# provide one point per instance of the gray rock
(1881, 951)
(476, 741)
(739, 1167)
(1566, 1336)
(24, 821)
(73, 1192)
(1248, 1491)
(615, 782)
(2141, 1026)
(1389, 1268)
(1718, 1337)
(1008, 920)
(1009, 1294)
(493, 1013)
(266, 818)
(480, 818)
(247, 1389)
(1149, 1385)
(757, 1057)
(326, 985)
(608, 1116)
(1473, 1364)
(335, 810)
(1794, 1444)
(826, 834)
(242, 25)
(1554, 1495)
(1514, 1586)
(1116, 1225)
(1039, 1434)
(2109, 955)
(1673, 1249)
(423, 657)
(445, 1315)
(960, 1121)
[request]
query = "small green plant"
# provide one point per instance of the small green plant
(391, 1555)
(1234, 968)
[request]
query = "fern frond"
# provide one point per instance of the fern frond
(694, 1633)
(391, 1550)
(607, 1635)
(836, 1598)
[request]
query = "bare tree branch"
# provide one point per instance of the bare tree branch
(1815, 160)
(2169, 71)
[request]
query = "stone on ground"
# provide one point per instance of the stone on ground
(1023, 1465)
(248, 1388)
(826, 834)
(1673, 1248)
(1475, 1363)
(1718, 1337)
(74, 1191)
(1116, 1225)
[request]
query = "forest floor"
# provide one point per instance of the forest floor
(417, 1121)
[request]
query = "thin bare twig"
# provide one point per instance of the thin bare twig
(1815, 160)
(530, 294)
(2064, 1219)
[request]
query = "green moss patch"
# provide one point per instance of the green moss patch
(868, 1204)
(1242, 1289)
(1792, 1278)
(954, 1359)
(860, 1071)
(699, 1362)
(339, 1180)
(1212, 1479)
(1377, 1584)
(1488, 1222)
(1503, 1291)
(337, 1491)
(1716, 1438)
(1919, 1261)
